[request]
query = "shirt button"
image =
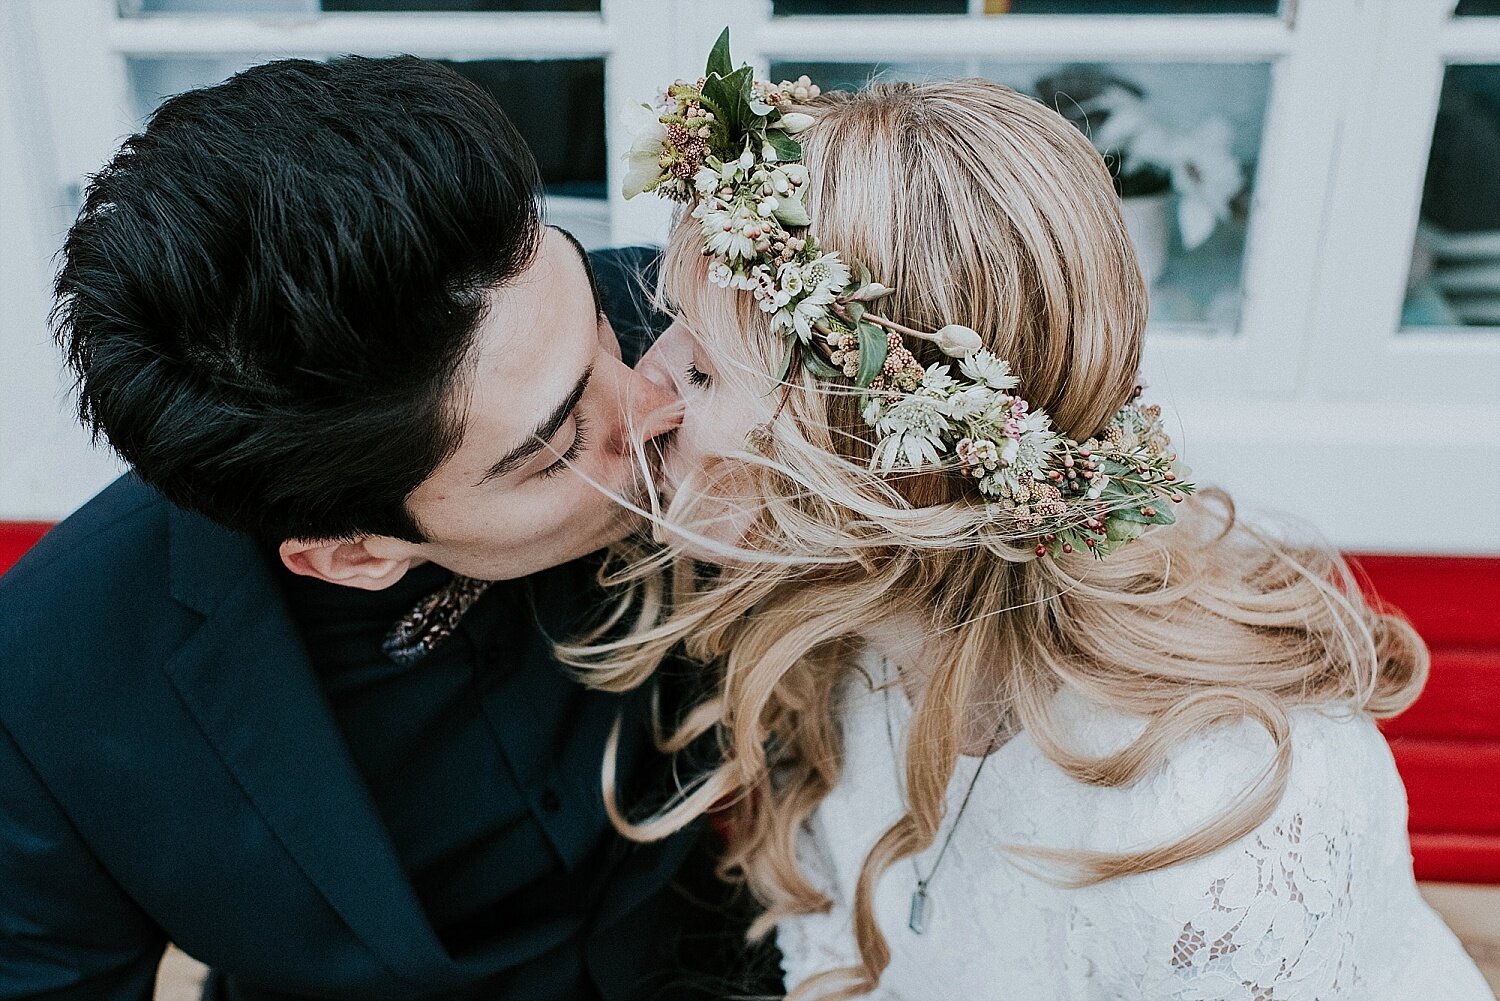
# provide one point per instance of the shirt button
(551, 802)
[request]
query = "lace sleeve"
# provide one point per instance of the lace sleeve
(1276, 924)
(1267, 918)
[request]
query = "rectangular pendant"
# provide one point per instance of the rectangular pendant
(917, 919)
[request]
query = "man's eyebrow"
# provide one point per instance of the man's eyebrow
(588, 268)
(543, 434)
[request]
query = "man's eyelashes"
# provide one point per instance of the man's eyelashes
(580, 443)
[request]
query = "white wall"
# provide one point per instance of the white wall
(47, 465)
(1308, 409)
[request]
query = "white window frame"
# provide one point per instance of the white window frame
(1362, 350)
(1285, 410)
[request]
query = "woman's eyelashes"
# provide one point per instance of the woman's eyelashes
(580, 442)
(697, 377)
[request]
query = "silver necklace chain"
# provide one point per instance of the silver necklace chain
(916, 918)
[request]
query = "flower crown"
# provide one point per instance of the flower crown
(726, 146)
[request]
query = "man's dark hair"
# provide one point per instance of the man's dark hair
(270, 294)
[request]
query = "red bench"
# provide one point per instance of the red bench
(1447, 746)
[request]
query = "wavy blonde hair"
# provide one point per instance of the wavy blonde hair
(982, 207)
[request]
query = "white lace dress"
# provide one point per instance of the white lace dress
(1317, 903)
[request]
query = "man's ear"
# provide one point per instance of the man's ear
(370, 564)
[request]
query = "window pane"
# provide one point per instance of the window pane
(557, 105)
(1455, 270)
(1028, 6)
(1478, 7)
(132, 8)
(1186, 181)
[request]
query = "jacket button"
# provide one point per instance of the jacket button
(550, 801)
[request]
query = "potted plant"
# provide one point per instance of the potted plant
(1154, 164)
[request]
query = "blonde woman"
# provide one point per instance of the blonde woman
(990, 729)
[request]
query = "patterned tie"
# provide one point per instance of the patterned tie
(432, 620)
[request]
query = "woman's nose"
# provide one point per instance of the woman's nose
(649, 404)
(657, 408)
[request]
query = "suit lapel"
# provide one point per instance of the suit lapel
(246, 678)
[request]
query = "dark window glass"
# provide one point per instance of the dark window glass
(131, 8)
(1035, 6)
(461, 5)
(1455, 271)
(558, 106)
(1478, 8)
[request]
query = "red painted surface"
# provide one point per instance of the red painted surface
(16, 537)
(1447, 745)
(1456, 858)
(1453, 786)
(1452, 600)
(1461, 700)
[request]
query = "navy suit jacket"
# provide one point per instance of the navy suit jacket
(171, 771)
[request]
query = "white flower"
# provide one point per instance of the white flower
(971, 401)
(768, 153)
(937, 381)
(730, 243)
(796, 173)
(793, 122)
(1122, 125)
(724, 232)
(1203, 169)
(1207, 176)
(768, 294)
(720, 274)
(790, 277)
(706, 180)
(983, 367)
(957, 340)
(644, 160)
(911, 434)
(822, 280)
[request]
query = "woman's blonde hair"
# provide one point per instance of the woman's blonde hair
(981, 207)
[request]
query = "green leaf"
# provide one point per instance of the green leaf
(718, 59)
(1119, 530)
(814, 363)
(862, 273)
(856, 311)
(791, 212)
(786, 361)
(873, 347)
(731, 95)
(1161, 517)
(718, 97)
(787, 148)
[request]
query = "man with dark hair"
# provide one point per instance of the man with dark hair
(285, 695)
